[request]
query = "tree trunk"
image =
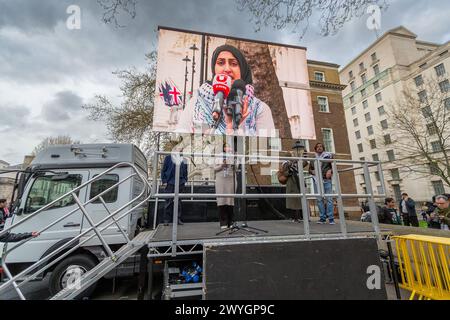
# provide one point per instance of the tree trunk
(265, 81)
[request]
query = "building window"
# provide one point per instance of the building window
(445, 86)
(391, 155)
(365, 104)
(395, 174)
(360, 147)
(376, 85)
(353, 110)
(432, 129)
(440, 70)
(361, 67)
(323, 104)
(447, 104)
(376, 69)
(418, 80)
(319, 76)
(363, 92)
(352, 100)
(362, 159)
(370, 130)
(355, 122)
(350, 74)
(328, 140)
(367, 116)
(378, 97)
(374, 57)
(375, 157)
(426, 112)
(387, 139)
(423, 96)
(397, 192)
(436, 146)
(352, 85)
(379, 189)
(102, 184)
(381, 110)
(364, 78)
(438, 187)
(384, 124)
(434, 168)
(373, 144)
(377, 175)
(358, 134)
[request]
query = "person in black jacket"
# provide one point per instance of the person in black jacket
(407, 208)
(168, 178)
(16, 237)
(388, 213)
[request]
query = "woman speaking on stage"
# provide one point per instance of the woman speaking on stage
(202, 115)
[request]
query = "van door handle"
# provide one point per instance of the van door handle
(71, 225)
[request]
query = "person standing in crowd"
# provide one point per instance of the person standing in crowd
(168, 178)
(3, 212)
(288, 175)
(408, 210)
(226, 184)
(442, 213)
(389, 214)
(327, 174)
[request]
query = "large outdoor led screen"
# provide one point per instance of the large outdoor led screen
(219, 85)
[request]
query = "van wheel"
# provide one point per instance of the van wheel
(66, 273)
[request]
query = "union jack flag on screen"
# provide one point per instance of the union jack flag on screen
(170, 94)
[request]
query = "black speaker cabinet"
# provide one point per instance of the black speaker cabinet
(317, 269)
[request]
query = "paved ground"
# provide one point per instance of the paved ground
(125, 289)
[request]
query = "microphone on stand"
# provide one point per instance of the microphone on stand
(221, 89)
(235, 101)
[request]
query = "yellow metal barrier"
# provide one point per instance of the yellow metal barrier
(424, 266)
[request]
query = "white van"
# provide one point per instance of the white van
(58, 170)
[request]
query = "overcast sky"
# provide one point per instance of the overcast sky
(48, 71)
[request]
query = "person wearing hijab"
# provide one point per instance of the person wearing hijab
(256, 115)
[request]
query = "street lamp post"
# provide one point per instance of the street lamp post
(193, 48)
(186, 60)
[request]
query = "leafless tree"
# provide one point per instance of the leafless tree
(113, 8)
(132, 120)
(279, 14)
(420, 130)
(53, 141)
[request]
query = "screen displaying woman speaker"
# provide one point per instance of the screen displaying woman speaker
(219, 85)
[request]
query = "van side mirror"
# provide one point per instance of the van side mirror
(19, 212)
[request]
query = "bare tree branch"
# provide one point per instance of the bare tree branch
(281, 14)
(421, 128)
(113, 8)
(53, 141)
(132, 120)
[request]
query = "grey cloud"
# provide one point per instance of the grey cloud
(13, 116)
(31, 15)
(64, 106)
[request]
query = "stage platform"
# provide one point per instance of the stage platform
(275, 228)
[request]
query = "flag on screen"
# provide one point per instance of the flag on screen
(170, 94)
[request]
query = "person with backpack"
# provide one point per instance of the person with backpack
(288, 176)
